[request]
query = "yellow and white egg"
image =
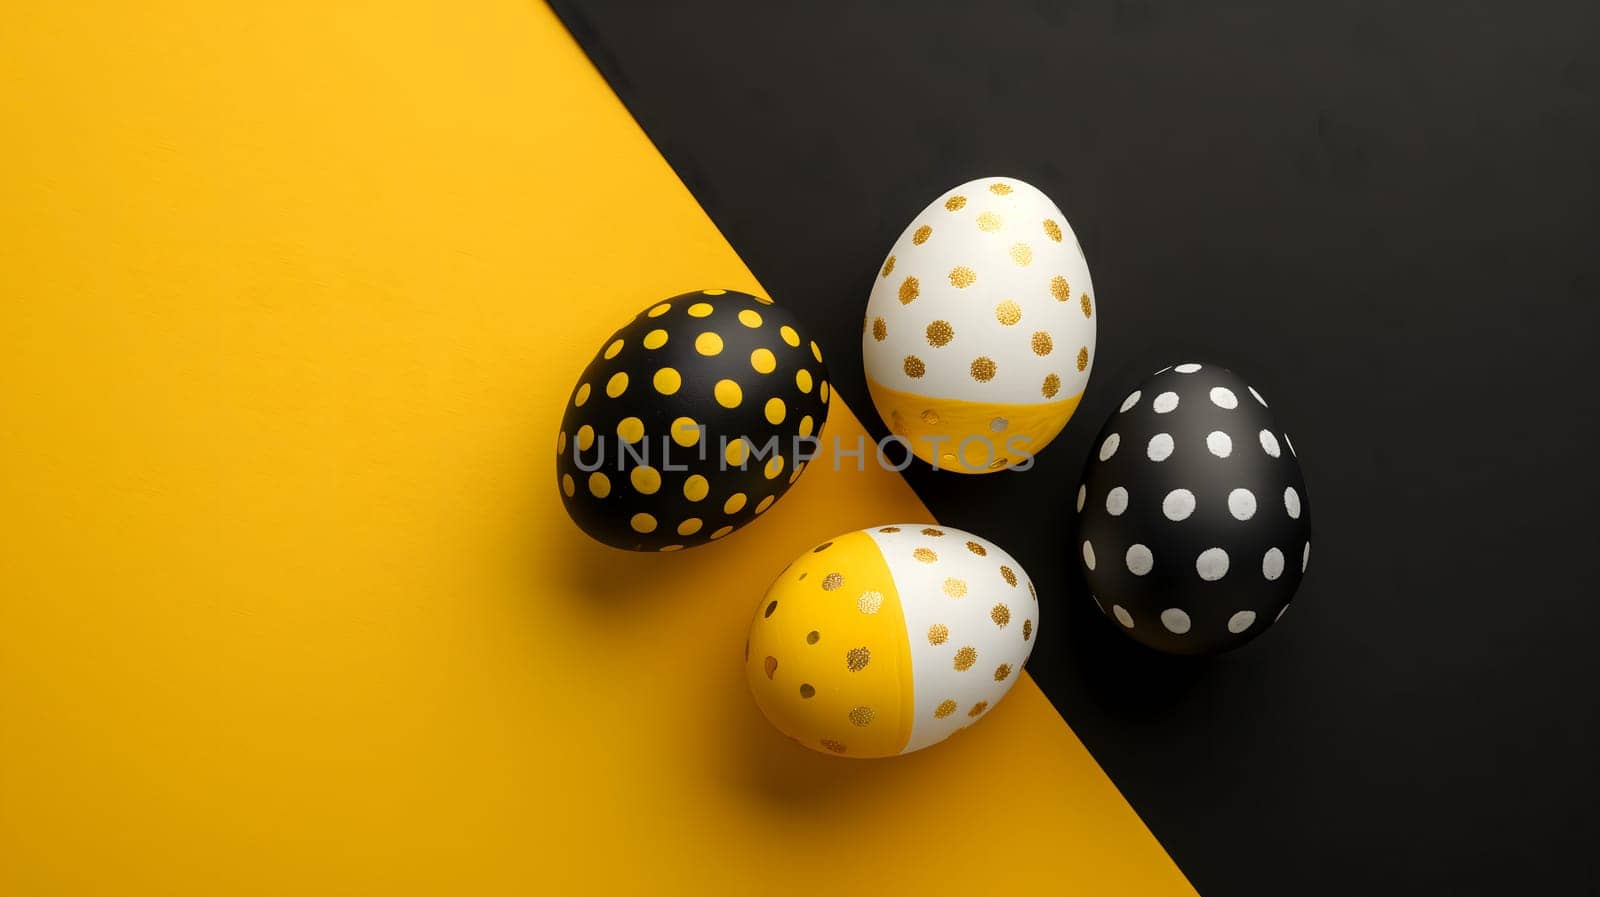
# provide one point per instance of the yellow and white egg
(980, 329)
(885, 641)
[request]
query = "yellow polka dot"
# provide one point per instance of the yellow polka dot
(667, 381)
(802, 380)
(1022, 254)
(695, 487)
(708, 344)
(750, 318)
(670, 548)
(618, 384)
(735, 452)
(699, 309)
(630, 429)
(686, 432)
(922, 235)
(655, 339)
(805, 425)
(798, 469)
(962, 277)
(776, 410)
(567, 485)
(774, 466)
(789, 335)
(722, 532)
(816, 351)
(659, 310)
(763, 361)
(766, 503)
(712, 292)
(824, 392)
(599, 484)
(642, 523)
(910, 289)
(734, 504)
(581, 396)
(728, 394)
(585, 437)
(614, 348)
(689, 527)
(646, 480)
(561, 444)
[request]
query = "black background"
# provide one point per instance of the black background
(1383, 215)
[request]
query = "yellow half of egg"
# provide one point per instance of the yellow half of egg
(970, 437)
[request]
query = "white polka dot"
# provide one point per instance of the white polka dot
(1257, 395)
(1291, 502)
(1176, 621)
(1241, 621)
(1088, 554)
(1097, 602)
(1290, 443)
(1187, 368)
(1131, 400)
(1160, 447)
(1220, 443)
(1242, 504)
(1165, 402)
(1109, 447)
(1269, 443)
(1212, 564)
(1116, 501)
(1272, 564)
(1280, 613)
(1178, 504)
(1083, 493)
(1305, 558)
(1140, 560)
(1223, 397)
(1122, 615)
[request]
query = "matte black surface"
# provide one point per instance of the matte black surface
(1386, 215)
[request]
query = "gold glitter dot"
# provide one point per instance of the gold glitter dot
(750, 318)
(1083, 302)
(938, 633)
(770, 665)
(925, 555)
(955, 588)
(1052, 385)
(880, 329)
(655, 339)
(832, 745)
(962, 277)
(1052, 230)
(832, 581)
(856, 659)
(940, 333)
(978, 708)
(888, 267)
(914, 367)
(990, 222)
(813, 636)
(1083, 357)
(965, 658)
(1060, 289)
(1008, 313)
(955, 203)
(932, 531)
(922, 235)
(1041, 343)
(862, 716)
(1022, 254)
(999, 188)
(643, 523)
(983, 369)
(1027, 629)
(1009, 576)
(890, 529)
(1000, 614)
(869, 602)
(909, 290)
(806, 691)
(945, 708)
(977, 549)
(930, 417)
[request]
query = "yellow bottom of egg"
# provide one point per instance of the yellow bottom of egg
(971, 437)
(881, 642)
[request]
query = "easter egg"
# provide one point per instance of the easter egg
(884, 641)
(691, 420)
(1194, 525)
(980, 328)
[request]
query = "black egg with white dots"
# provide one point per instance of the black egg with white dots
(692, 420)
(1194, 530)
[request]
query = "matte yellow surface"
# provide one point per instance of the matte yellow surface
(293, 293)
(958, 427)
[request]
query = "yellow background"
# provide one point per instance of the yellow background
(292, 295)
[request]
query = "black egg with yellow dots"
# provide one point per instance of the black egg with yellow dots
(690, 421)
